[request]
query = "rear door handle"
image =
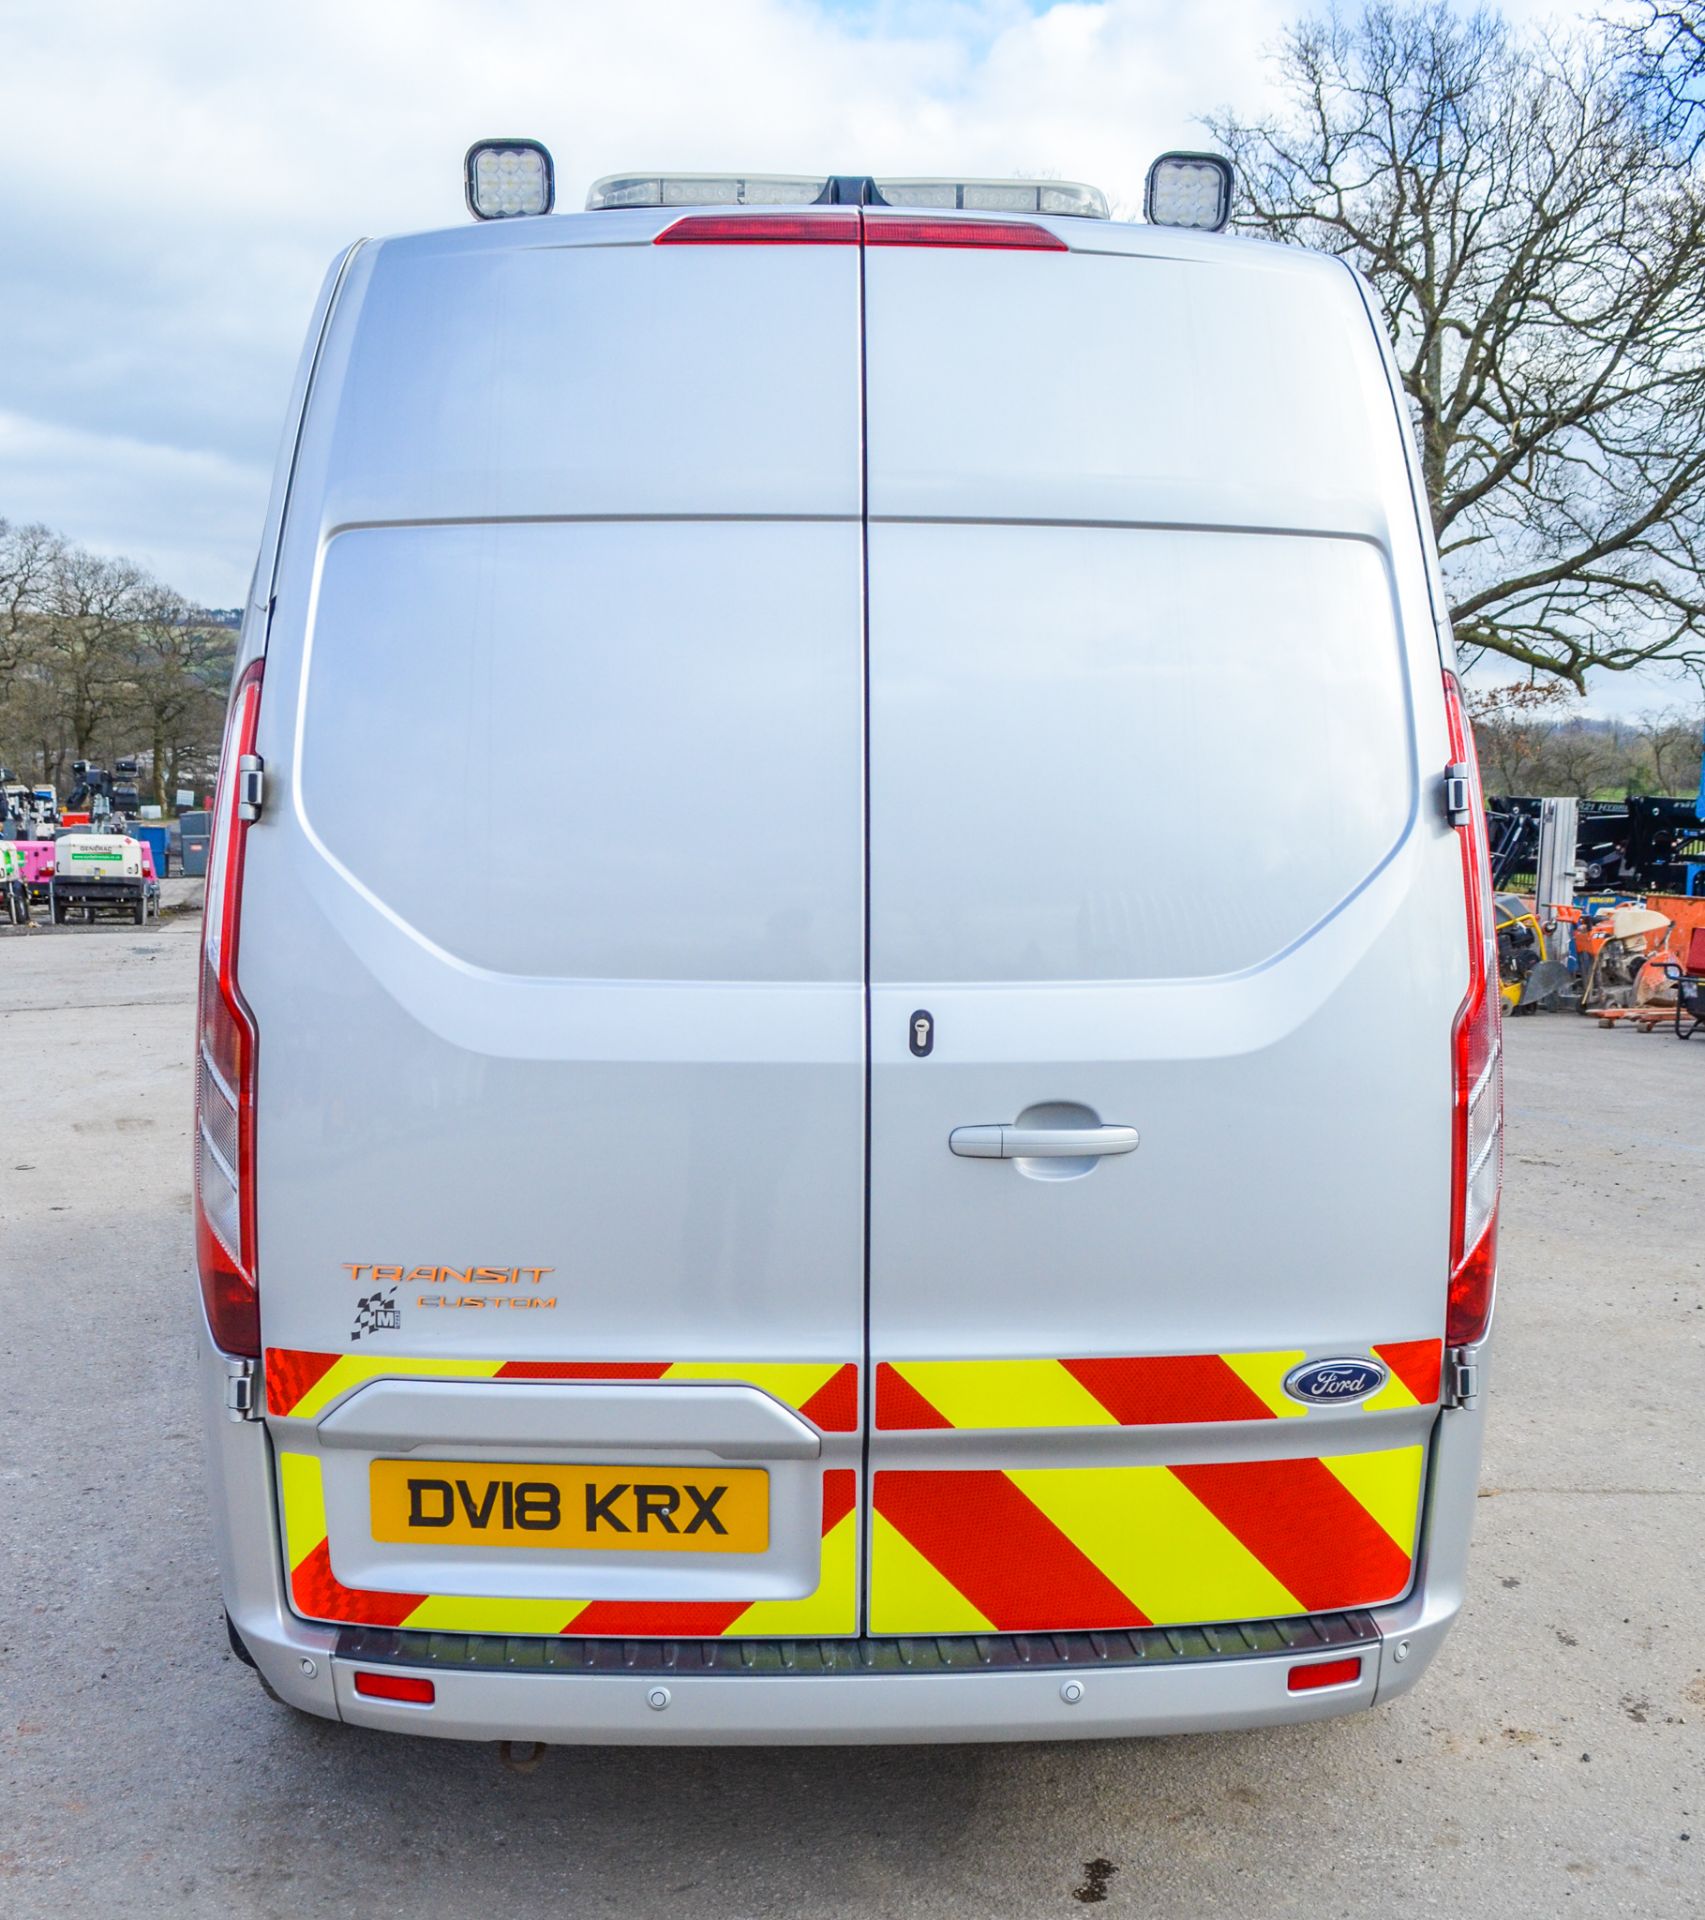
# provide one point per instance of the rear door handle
(1040, 1143)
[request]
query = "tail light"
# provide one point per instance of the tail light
(1477, 1060)
(225, 1078)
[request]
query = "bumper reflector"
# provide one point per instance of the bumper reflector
(399, 1686)
(1324, 1673)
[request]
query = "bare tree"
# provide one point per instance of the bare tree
(1664, 46)
(1672, 743)
(28, 556)
(1511, 726)
(82, 638)
(179, 667)
(1538, 257)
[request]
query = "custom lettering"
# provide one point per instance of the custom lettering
(601, 1507)
(704, 1515)
(419, 1491)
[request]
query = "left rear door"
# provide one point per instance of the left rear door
(561, 1099)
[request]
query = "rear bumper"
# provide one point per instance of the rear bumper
(314, 1667)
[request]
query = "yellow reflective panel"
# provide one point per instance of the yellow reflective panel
(1264, 1375)
(1145, 1530)
(304, 1504)
(907, 1595)
(463, 1613)
(832, 1609)
(1388, 1484)
(1005, 1393)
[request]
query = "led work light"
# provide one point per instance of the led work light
(1189, 190)
(506, 179)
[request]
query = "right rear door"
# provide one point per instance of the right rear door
(1146, 852)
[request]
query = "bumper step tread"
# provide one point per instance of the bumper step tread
(1143, 1646)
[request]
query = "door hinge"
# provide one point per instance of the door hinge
(1458, 795)
(251, 786)
(1461, 1378)
(242, 1400)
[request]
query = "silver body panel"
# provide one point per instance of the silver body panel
(853, 627)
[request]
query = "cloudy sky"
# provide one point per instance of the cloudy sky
(180, 172)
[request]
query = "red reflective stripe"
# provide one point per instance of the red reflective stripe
(1002, 1552)
(1305, 1528)
(582, 1370)
(1416, 1363)
(899, 1405)
(834, 227)
(656, 1619)
(321, 1595)
(1140, 1391)
(291, 1374)
(840, 1491)
(923, 230)
(834, 1406)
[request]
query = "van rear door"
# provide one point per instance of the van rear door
(1165, 946)
(560, 1123)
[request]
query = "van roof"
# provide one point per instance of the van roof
(636, 226)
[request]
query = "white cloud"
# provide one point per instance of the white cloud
(170, 507)
(180, 173)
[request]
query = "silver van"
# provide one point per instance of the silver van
(936, 1177)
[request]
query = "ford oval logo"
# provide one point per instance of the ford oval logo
(1324, 1380)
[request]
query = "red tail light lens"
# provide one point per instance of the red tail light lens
(225, 1078)
(1477, 1136)
(835, 227)
(904, 230)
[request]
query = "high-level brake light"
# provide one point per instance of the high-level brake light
(1189, 190)
(508, 179)
(225, 1079)
(840, 226)
(832, 227)
(1477, 1122)
(923, 230)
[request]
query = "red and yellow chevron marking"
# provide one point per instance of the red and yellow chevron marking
(1132, 1390)
(318, 1594)
(1054, 1549)
(301, 1385)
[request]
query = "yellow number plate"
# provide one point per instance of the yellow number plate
(633, 1509)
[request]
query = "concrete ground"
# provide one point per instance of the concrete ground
(1552, 1762)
